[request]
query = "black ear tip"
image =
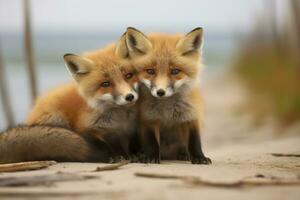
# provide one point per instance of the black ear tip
(131, 28)
(68, 54)
(197, 29)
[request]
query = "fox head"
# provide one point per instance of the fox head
(104, 76)
(167, 64)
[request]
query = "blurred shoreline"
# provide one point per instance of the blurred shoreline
(49, 47)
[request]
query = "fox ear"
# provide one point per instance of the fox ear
(121, 49)
(78, 66)
(137, 42)
(191, 42)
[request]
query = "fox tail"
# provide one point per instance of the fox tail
(39, 142)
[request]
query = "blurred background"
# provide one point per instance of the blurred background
(256, 41)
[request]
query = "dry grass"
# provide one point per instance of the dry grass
(273, 79)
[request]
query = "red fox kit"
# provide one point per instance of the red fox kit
(101, 101)
(170, 100)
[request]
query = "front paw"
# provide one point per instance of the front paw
(149, 158)
(116, 159)
(134, 158)
(201, 159)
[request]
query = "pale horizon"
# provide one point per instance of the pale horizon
(93, 16)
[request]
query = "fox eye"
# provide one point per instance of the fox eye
(129, 75)
(105, 84)
(150, 71)
(175, 71)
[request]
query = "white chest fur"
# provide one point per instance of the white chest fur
(170, 110)
(115, 119)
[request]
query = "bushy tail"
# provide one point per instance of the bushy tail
(29, 143)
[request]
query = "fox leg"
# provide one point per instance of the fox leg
(111, 141)
(119, 146)
(124, 142)
(183, 134)
(150, 139)
(194, 146)
(134, 147)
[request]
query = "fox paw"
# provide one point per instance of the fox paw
(202, 160)
(134, 158)
(149, 158)
(116, 159)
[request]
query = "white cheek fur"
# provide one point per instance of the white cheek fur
(154, 92)
(146, 82)
(179, 83)
(106, 97)
(120, 100)
(98, 99)
(136, 86)
(93, 103)
(183, 84)
(169, 92)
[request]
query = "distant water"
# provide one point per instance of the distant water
(218, 51)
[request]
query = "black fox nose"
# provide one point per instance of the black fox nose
(129, 97)
(160, 92)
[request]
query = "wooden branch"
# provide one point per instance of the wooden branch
(29, 51)
(159, 176)
(285, 155)
(4, 92)
(262, 181)
(111, 166)
(24, 194)
(23, 166)
(242, 183)
(41, 179)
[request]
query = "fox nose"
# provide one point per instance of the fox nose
(160, 92)
(129, 97)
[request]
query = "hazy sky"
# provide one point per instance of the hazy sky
(89, 15)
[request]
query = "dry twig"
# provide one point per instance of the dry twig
(285, 155)
(23, 166)
(37, 194)
(161, 176)
(41, 179)
(233, 184)
(111, 166)
(241, 183)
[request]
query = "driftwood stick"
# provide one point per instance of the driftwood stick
(111, 166)
(242, 183)
(238, 183)
(160, 176)
(23, 166)
(285, 155)
(41, 179)
(9, 193)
